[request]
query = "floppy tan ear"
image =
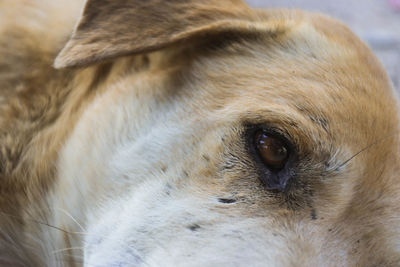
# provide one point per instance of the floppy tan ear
(113, 28)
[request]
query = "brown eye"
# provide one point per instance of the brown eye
(272, 150)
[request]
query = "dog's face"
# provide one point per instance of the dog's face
(243, 138)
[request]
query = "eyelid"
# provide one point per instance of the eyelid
(274, 131)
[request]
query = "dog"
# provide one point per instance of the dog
(193, 133)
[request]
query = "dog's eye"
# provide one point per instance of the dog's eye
(272, 150)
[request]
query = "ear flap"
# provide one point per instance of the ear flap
(112, 28)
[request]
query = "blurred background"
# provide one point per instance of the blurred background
(377, 22)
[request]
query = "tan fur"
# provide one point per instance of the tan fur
(218, 65)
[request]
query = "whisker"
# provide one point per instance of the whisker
(43, 223)
(71, 217)
(365, 149)
(66, 249)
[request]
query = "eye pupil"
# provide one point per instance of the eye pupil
(272, 150)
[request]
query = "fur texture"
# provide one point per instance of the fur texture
(139, 154)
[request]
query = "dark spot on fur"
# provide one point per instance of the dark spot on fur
(293, 124)
(320, 121)
(163, 168)
(313, 214)
(338, 99)
(185, 174)
(324, 123)
(327, 165)
(329, 230)
(194, 227)
(226, 200)
(310, 192)
(301, 108)
(146, 61)
(206, 158)
(228, 166)
(168, 188)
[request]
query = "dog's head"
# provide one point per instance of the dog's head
(222, 135)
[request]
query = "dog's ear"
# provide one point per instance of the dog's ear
(112, 28)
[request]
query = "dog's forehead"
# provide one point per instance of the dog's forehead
(316, 71)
